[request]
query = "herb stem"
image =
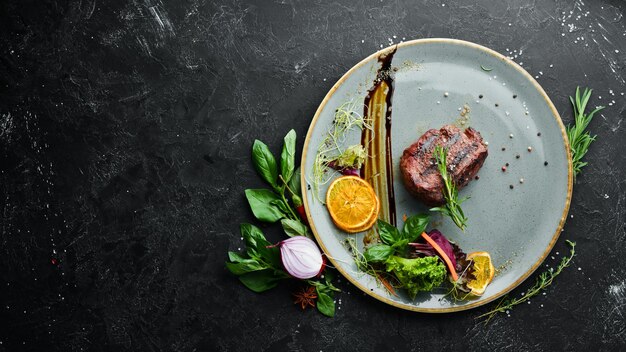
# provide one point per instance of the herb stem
(286, 185)
(452, 208)
(579, 138)
(282, 196)
(293, 214)
(543, 281)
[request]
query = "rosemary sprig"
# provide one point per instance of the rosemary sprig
(579, 138)
(452, 208)
(543, 281)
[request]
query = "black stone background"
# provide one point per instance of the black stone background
(125, 135)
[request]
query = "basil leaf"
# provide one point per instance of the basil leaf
(254, 240)
(245, 266)
(288, 156)
(388, 233)
(414, 226)
(278, 203)
(256, 246)
(260, 201)
(294, 183)
(264, 163)
(327, 285)
(235, 257)
(378, 253)
(325, 302)
(259, 281)
(398, 246)
(294, 228)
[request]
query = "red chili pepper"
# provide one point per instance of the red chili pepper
(300, 209)
(302, 214)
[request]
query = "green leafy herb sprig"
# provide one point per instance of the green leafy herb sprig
(395, 241)
(272, 205)
(260, 267)
(452, 208)
(325, 294)
(579, 138)
(544, 280)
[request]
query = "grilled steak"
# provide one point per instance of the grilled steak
(466, 155)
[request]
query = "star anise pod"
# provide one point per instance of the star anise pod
(306, 297)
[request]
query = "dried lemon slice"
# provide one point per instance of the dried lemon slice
(352, 204)
(483, 272)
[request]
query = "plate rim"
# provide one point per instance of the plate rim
(556, 116)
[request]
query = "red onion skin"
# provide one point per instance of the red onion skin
(323, 266)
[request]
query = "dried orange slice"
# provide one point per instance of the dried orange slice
(352, 204)
(483, 272)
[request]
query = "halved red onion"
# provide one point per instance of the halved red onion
(301, 257)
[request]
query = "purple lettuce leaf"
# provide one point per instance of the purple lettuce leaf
(442, 241)
(347, 171)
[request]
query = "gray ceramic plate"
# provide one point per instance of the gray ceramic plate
(517, 226)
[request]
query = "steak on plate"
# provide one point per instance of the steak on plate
(466, 154)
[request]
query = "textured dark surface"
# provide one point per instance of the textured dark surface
(125, 134)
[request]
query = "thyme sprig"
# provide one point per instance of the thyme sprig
(452, 208)
(579, 138)
(543, 281)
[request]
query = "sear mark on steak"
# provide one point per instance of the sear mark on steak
(466, 154)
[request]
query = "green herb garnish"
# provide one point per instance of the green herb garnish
(485, 68)
(543, 281)
(417, 274)
(359, 258)
(383, 260)
(393, 240)
(346, 119)
(325, 294)
(272, 205)
(260, 269)
(452, 208)
(579, 138)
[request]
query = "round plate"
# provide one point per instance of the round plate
(516, 215)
